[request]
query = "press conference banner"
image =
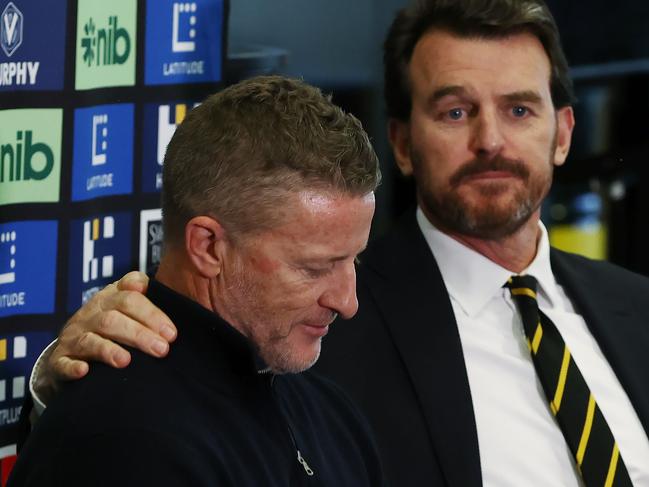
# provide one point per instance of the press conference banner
(91, 92)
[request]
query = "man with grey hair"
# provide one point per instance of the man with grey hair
(453, 378)
(268, 199)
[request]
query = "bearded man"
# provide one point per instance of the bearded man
(464, 300)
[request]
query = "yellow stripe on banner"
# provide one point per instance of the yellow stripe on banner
(95, 229)
(524, 291)
(536, 341)
(590, 414)
(612, 467)
(561, 384)
(3, 349)
(181, 110)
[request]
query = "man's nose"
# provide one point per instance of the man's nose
(487, 138)
(340, 295)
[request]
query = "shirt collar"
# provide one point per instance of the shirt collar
(471, 279)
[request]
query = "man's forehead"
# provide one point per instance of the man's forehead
(323, 220)
(318, 200)
(445, 63)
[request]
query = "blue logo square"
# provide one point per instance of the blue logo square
(32, 44)
(103, 151)
(160, 122)
(27, 267)
(100, 252)
(183, 41)
(18, 353)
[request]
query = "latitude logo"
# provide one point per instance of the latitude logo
(184, 15)
(22, 256)
(183, 41)
(11, 29)
(106, 43)
(102, 162)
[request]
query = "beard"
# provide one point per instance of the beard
(490, 217)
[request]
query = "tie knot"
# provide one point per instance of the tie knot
(522, 285)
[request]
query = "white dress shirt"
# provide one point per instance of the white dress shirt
(519, 440)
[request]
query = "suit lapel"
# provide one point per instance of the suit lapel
(420, 318)
(612, 319)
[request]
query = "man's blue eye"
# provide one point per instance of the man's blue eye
(455, 114)
(519, 111)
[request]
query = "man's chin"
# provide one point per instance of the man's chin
(485, 225)
(293, 362)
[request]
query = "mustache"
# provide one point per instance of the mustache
(479, 166)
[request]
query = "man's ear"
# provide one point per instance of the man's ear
(565, 125)
(205, 244)
(399, 136)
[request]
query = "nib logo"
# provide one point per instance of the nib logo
(105, 46)
(88, 43)
(11, 29)
(16, 166)
(30, 155)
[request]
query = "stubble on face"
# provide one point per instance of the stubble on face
(491, 218)
(266, 327)
(281, 288)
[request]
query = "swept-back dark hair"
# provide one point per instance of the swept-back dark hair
(487, 19)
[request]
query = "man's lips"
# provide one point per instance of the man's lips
(487, 175)
(316, 330)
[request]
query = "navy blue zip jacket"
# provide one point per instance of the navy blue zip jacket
(204, 416)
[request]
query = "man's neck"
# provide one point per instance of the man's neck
(174, 273)
(514, 252)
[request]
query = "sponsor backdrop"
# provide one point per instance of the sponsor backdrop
(91, 91)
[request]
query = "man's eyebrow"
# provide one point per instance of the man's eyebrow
(520, 96)
(450, 90)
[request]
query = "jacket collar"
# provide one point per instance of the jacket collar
(204, 340)
(410, 293)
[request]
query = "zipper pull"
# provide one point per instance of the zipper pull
(305, 465)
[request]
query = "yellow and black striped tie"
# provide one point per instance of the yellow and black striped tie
(580, 419)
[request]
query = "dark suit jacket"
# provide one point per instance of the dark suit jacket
(401, 359)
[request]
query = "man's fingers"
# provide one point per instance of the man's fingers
(89, 346)
(69, 369)
(136, 309)
(134, 281)
(117, 326)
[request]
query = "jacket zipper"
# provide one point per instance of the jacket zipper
(300, 458)
(308, 470)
